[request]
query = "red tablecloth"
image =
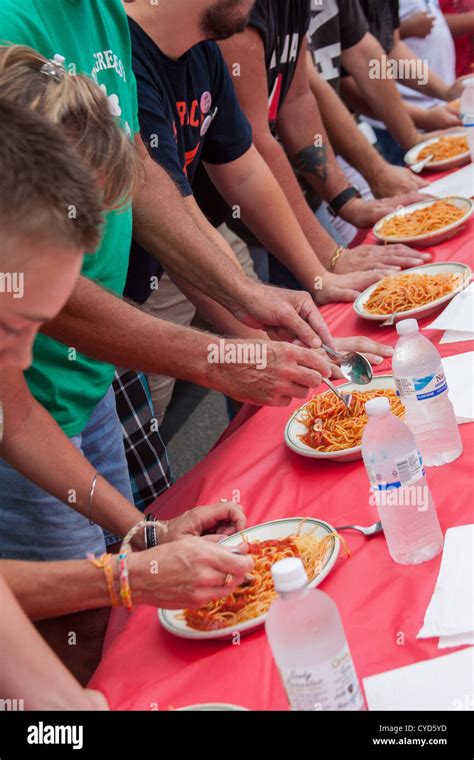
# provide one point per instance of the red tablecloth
(382, 604)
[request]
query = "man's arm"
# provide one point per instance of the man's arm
(175, 231)
(348, 141)
(248, 49)
(249, 184)
(434, 86)
(304, 136)
(417, 25)
(106, 328)
(301, 130)
(381, 95)
(430, 119)
(172, 229)
(32, 441)
(460, 24)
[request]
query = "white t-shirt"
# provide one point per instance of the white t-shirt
(437, 49)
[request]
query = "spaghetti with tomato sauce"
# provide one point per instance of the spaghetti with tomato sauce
(254, 599)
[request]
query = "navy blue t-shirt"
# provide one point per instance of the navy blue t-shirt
(188, 112)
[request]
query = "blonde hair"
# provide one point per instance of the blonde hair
(79, 106)
(42, 178)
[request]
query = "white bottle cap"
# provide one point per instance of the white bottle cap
(468, 82)
(377, 407)
(407, 327)
(289, 575)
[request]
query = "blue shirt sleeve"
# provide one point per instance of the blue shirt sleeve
(230, 134)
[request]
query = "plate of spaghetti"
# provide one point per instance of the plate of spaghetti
(324, 429)
(315, 541)
(415, 292)
(448, 151)
(424, 223)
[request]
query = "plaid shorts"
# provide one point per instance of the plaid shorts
(147, 459)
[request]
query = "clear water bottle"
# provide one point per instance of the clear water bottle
(467, 112)
(398, 486)
(422, 387)
(309, 645)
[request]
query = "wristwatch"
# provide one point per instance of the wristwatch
(344, 197)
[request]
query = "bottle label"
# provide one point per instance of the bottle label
(405, 472)
(421, 388)
(331, 686)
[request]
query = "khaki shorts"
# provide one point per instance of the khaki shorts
(170, 304)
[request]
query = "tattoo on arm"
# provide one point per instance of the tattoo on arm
(312, 160)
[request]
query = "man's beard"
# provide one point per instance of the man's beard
(222, 20)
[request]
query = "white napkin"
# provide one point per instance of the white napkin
(460, 183)
(457, 640)
(451, 609)
(459, 371)
(456, 336)
(443, 683)
(458, 314)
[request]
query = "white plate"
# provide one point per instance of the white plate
(452, 267)
(411, 157)
(264, 532)
(213, 707)
(294, 428)
(427, 238)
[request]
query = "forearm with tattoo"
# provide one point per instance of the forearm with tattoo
(312, 160)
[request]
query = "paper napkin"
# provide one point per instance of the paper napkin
(443, 683)
(459, 371)
(451, 609)
(458, 314)
(456, 336)
(460, 183)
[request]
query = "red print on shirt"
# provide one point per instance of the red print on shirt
(274, 100)
(189, 115)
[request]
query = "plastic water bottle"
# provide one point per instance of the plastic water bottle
(309, 645)
(399, 488)
(467, 112)
(422, 387)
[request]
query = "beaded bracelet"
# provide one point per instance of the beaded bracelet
(103, 563)
(125, 593)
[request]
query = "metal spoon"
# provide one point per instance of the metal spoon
(371, 530)
(418, 166)
(354, 366)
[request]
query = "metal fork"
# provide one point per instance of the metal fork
(346, 398)
(370, 530)
(390, 321)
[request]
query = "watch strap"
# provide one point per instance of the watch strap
(342, 198)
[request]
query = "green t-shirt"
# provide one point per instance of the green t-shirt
(93, 36)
